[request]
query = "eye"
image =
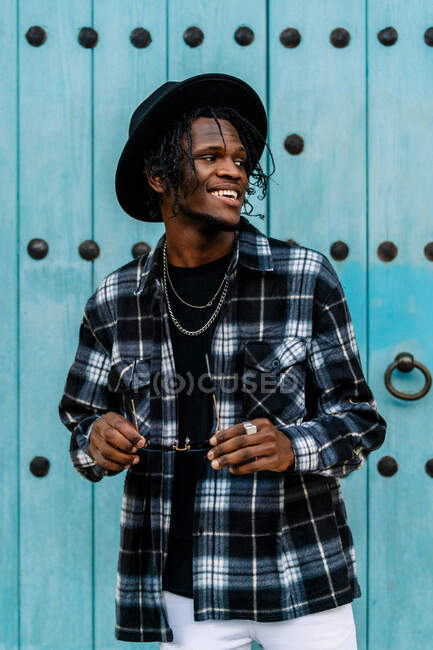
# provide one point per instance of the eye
(212, 157)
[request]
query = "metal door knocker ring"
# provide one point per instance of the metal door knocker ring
(405, 362)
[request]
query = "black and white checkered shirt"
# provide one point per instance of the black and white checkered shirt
(267, 546)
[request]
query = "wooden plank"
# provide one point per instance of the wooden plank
(9, 441)
(219, 52)
(55, 193)
(400, 153)
(317, 91)
(133, 75)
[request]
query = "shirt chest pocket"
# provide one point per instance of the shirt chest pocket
(129, 386)
(273, 379)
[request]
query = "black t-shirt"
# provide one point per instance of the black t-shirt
(196, 285)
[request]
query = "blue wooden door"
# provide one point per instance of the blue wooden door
(348, 91)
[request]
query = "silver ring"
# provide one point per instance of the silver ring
(249, 427)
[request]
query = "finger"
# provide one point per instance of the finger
(106, 463)
(118, 440)
(227, 434)
(113, 454)
(255, 466)
(243, 455)
(125, 427)
(238, 442)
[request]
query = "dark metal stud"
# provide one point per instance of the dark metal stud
(140, 37)
(428, 36)
(387, 36)
(293, 242)
(294, 144)
(339, 37)
(386, 251)
(244, 35)
(428, 251)
(140, 248)
(429, 467)
(193, 36)
(88, 37)
(339, 250)
(405, 361)
(39, 466)
(89, 250)
(387, 466)
(36, 35)
(290, 37)
(37, 248)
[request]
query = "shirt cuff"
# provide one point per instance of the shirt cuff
(85, 438)
(84, 441)
(83, 430)
(305, 449)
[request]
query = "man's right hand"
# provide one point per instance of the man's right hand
(113, 442)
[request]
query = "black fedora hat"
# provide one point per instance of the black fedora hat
(163, 106)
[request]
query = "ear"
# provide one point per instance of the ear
(154, 181)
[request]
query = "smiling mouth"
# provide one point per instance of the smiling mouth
(230, 197)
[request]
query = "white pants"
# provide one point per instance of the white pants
(332, 629)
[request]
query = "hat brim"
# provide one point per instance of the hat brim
(206, 89)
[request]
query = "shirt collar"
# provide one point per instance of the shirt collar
(254, 253)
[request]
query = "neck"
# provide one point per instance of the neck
(190, 246)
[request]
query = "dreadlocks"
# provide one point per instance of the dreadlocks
(166, 157)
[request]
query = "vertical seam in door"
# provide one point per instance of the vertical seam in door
(268, 111)
(167, 42)
(367, 315)
(18, 307)
(92, 271)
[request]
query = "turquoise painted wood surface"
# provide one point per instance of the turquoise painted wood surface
(9, 439)
(400, 148)
(364, 113)
(55, 180)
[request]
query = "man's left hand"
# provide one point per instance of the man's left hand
(271, 449)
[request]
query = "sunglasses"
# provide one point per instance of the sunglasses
(151, 446)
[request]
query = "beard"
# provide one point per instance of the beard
(209, 223)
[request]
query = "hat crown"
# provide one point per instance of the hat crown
(146, 105)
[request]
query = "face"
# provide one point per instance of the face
(222, 181)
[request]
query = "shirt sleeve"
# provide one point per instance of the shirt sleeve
(85, 396)
(347, 425)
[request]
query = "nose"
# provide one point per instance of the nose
(228, 167)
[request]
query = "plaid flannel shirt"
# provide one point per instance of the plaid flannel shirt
(267, 546)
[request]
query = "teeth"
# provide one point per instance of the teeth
(230, 193)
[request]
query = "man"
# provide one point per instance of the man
(221, 369)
